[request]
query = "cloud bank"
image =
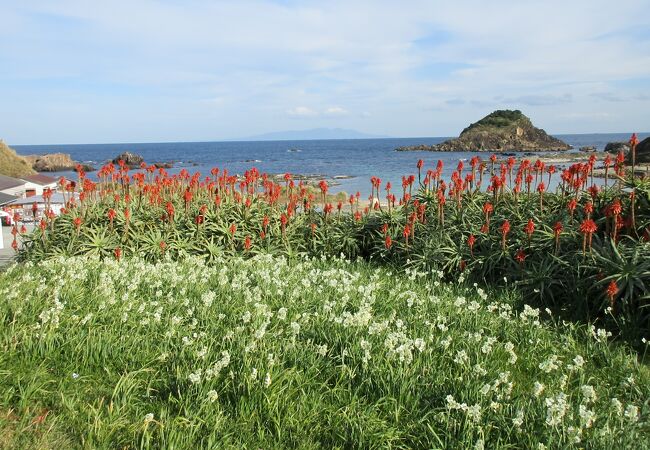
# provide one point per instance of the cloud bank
(77, 71)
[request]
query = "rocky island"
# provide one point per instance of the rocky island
(501, 131)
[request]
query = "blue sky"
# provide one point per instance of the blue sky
(73, 71)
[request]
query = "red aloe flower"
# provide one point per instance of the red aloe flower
(529, 229)
(169, 207)
(111, 215)
(233, 229)
(247, 243)
(77, 221)
(283, 222)
(615, 209)
(520, 256)
(571, 206)
(487, 210)
(471, 240)
(118, 253)
(541, 188)
(505, 229)
(388, 242)
(611, 291)
(419, 165)
(406, 233)
(557, 230)
(588, 227)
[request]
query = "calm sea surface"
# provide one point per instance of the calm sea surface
(358, 159)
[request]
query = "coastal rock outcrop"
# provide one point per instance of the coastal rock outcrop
(51, 162)
(500, 131)
(615, 147)
(130, 159)
(12, 164)
(642, 151)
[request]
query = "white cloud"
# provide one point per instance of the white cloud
(335, 111)
(301, 111)
(413, 68)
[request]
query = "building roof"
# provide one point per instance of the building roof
(57, 198)
(8, 182)
(6, 198)
(39, 178)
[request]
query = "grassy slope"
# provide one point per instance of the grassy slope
(312, 354)
(13, 165)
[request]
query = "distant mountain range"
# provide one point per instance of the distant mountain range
(312, 134)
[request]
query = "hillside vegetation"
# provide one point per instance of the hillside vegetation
(502, 118)
(13, 165)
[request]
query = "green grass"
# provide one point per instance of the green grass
(312, 353)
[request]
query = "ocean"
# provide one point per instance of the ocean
(351, 161)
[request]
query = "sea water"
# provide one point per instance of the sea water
(347, 164)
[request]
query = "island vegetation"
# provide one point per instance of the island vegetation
(502, 131)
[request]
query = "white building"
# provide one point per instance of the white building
(36, 184)
(12, 186)
(26, 186)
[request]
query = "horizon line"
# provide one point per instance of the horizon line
(292, 140)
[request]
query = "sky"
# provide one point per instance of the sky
(78, 71)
